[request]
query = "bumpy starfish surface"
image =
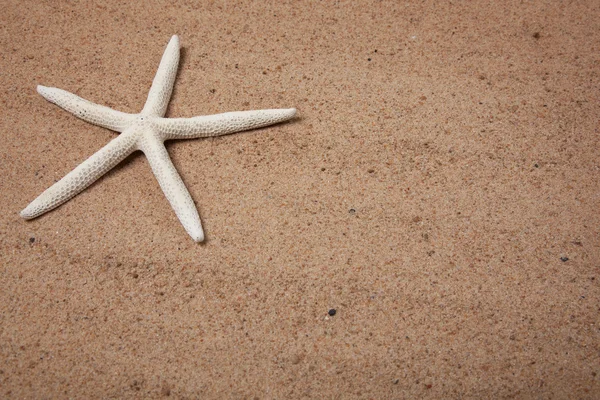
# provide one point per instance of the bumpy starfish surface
(147, 132)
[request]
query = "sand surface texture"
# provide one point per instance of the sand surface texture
(440, 189)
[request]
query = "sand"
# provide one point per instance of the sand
(439, 189)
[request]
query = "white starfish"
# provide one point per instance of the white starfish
(147, 132)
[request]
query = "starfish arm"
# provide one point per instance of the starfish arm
(172, 186)
(220, 124)
(162, 85)
(86, 110)
(83, 176)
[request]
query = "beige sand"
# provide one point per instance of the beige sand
(445, 159)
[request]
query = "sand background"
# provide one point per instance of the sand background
(444, 160)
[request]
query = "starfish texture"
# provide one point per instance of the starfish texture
(147, 132)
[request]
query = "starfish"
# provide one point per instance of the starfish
(147, 132)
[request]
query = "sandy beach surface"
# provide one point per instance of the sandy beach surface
(439, 189)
